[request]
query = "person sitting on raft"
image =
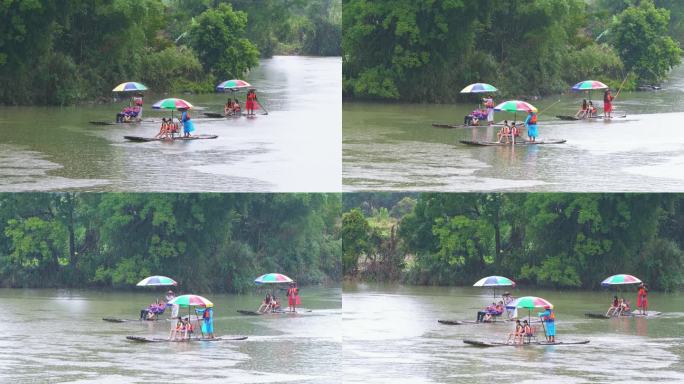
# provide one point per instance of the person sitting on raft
(188, 328)
(528, 331)
(614, 308)
(236, 107)
(266, 304)
(584, 108)
(228, 108)
(481, 314)
(517, 334)
(177, 329)
(163, 130)
(549, 318)
(625, 307)
(591, 110)
(505, 131)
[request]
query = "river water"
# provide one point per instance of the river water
(395, 147)
(58, 336)
(296, 147)
(391, 335)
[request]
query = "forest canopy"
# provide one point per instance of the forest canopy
(62, 52)
(427, 51)
(560, 240)
(207, 242)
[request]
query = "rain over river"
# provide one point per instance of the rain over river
(395, 147)
(296, 147)
(58, 336)
(391, 335)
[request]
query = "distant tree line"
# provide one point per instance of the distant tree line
(207, 242)
(61, 52)
(427, 51)
(557, 240)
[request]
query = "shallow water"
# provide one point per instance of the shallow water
(394, 147)
(296, 147)
(391, 335)
(59, 337)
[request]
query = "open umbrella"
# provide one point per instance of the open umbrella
(515, 106)
(191, 301)
(172, 104)
(156, 281)
(529, 303)
(479, 88)
(232, 85)
(620, 280)
(130, 86)
(272, 278)
(588, 85)
(494, 282)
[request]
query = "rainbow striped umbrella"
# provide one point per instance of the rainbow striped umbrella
(588, 85)
(129, 86)
(272, 278)
(515, 106)
(620, 280)
(172, 104)
(191, 301)
(529, 302)
(233, 85)
(479, 88)
(494, 281)
(156, 281)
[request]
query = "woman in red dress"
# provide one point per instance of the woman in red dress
(252, 102)
(642, 299)
(607, 103)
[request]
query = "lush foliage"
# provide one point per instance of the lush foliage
(556, 240)
(426, 51)
(61, 52)
(207, 242)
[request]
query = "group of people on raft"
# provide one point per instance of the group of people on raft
(271, 304)
(170, 127)
(524, 331)
(621, 307)
(184, 329)
(513, 131)
(152, 311)
(232, 106)
(133, 112)
(588, 110)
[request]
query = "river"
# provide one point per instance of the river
(391, 335)
(395, 147)
(58, 336)
(296, 147)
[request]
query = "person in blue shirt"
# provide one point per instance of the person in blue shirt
(531, 123)
(188, 125)
(549, 319)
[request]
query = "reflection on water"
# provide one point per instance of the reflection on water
(58, 336)
(296, 147)
(391, 335)
(394, 147)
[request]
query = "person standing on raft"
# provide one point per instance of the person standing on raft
(531, 123)
(188, 126)
(489, 104)
(607, 103)
(549, 319)
(252, 102)
(642, 299)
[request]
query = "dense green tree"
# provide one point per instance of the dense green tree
(640, 35)
(218, 36)
(554, 240)
(355, 232)
(208, 242)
